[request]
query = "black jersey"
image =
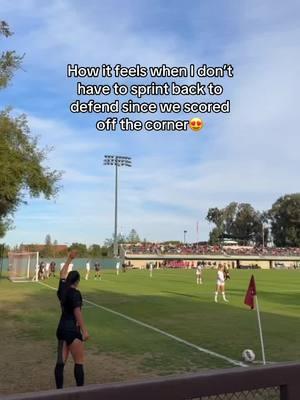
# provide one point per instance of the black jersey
(52, 266)
(70, 298)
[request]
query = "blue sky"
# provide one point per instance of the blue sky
(251, 155)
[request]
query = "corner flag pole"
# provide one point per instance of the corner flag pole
(260, 332)
(250, 297)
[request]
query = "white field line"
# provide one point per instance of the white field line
(87, 306)
(261, 362)
(153, 328)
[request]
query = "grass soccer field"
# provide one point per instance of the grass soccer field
(175, 325)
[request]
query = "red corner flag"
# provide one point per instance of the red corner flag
(251, 292)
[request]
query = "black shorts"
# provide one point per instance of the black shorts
(68, 335)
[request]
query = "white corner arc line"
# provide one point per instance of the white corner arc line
(153, 328)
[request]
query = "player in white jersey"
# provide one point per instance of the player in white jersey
(151, 268)
(47, 270)
(70, 267)
(220, 287)
(199, 273)
(88, 268)
(118, 267)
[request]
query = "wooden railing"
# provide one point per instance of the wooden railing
(264, 383)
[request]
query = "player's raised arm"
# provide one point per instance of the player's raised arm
(64, 270)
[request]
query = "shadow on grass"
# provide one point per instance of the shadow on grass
(224, 328)
(180, 294)
(291, 298)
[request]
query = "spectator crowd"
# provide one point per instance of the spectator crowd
(200, 249)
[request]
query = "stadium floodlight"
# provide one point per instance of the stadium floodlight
(117, 161)
(184, 236)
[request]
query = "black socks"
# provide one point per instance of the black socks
(59, 375)
(79, 374)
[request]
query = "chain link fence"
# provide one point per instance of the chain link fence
(271, 393)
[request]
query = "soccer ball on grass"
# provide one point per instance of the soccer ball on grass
(248, 355)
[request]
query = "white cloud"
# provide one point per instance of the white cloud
(64, 33)
(250, 156)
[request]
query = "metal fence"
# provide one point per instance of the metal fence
(280, 382)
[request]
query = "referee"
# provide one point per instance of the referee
(71, 331)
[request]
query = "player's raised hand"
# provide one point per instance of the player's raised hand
(73, 254)
(64, 271)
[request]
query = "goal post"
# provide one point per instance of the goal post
(23, 266)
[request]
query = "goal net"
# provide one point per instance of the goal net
(23, 267)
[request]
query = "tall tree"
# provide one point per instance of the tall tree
(48, 241)
(217, 217)
(247, 225)
(80, 248)
(22, 162)
(238, 221)
(10, 61)
(95, 250)
(54, 248)
(230, 215)
(285, 220)
(133, 237)
(48, 249)
(110, 241)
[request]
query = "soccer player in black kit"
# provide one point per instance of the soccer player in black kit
(71, 331)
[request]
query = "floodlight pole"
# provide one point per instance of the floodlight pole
(116, 213)
(1, 258)
(117, 161)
